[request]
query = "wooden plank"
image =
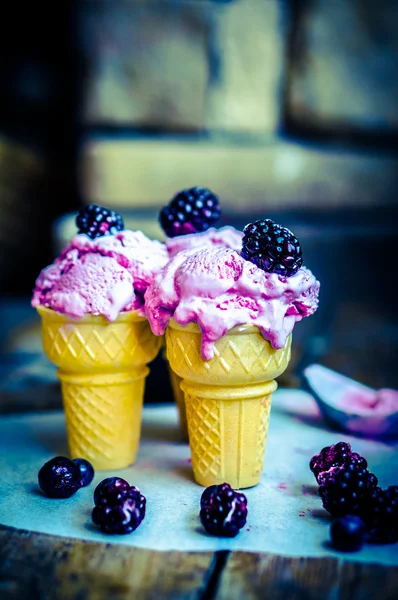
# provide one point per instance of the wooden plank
(252, 576)
(34, 565)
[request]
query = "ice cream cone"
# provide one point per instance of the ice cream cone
(228, 400)
(178, 394)
(102, 368)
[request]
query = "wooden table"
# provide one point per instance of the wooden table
(35, 565)
(41, 566)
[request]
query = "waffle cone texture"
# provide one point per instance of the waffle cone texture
(179, 398)
(228, 400)
(178, 395)
(102, 368)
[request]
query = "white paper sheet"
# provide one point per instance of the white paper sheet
(285, 512)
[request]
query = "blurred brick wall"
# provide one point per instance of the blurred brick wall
(227, 94)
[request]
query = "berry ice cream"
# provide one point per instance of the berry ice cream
(218, 289)
(101, 276)
(368, 401)
(227, 237)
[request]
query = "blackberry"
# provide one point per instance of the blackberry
(271, 247)
(119, 506)
(59, 477)
(86, 471)
(96, 221)
(190, 211)
(110, 491)
(223, 511)
(344, 489)
(347, 533)
(381, 515)
(335, 456)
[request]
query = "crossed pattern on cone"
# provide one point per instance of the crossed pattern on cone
(179, 398)
(103, 416)
(178, 395)
(102, 372)
(227, 399)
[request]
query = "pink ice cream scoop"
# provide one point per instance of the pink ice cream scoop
(228, 237)
(102, 276)
(218, 289)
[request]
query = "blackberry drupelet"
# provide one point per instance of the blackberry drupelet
(86, 471)
(190, 211)
(96, 221)
(223, 511)
(381, 515)
(271, 247)
(119, 506)
(335, 456)
(110, 491)
(208, 494)
(59, 477)
(347, 533)
(345, 489)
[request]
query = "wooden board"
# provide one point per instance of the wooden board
(36, 565)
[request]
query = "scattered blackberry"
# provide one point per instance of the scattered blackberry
(86, 471)
(271, 247)
(190, 211)
(335, 456)
(59, 477)
(347, 533)
(223, 511)
(344, 489)
(347, 488)
(96, 221)
(381, 515)
(119, 506)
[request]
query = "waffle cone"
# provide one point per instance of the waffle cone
(102, 368)
(178, 394)
(228, 400)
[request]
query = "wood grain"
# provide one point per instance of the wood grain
(251, 576)
(35, 565)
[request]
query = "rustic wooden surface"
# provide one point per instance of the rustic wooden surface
(34, 565)
(251, 576)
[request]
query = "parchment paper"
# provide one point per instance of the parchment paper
(285, 512)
